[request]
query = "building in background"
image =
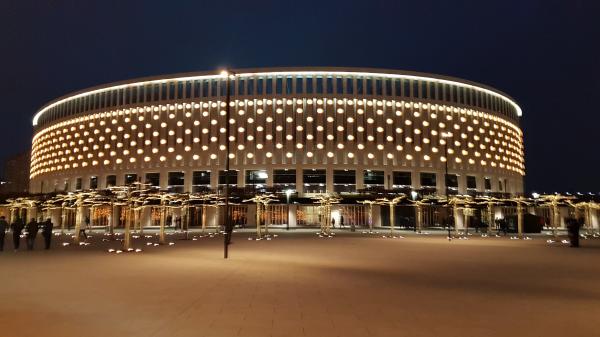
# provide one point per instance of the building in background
(16, 174)
(307, 130)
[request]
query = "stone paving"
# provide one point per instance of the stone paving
(300, 285)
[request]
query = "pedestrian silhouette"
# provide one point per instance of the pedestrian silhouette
(47, 233)
(32, 230)
(3, 228)
(17, 230)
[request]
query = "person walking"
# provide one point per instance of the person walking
(17, 230)
(47, 233)
(3, 228)
(32, 230)
(83, 227)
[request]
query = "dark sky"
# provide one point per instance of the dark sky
(543, 53)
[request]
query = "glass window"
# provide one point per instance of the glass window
(240, 86)
(153, 179)
(197, 88)
(309, 85)
(259, 86)
(269, 82)
(289, 86)
(428, 179)
(471, 182)
(213, 87)
(424, 86)
(111, 180)
(78, 184)
(201, 178)
(93, 182)
(250, 89)
(378, 87)
(172, 90)
(369, 86)
(279, 85)
(388, 87)
(415, 88)
(176, 181)
(339, 83)
(398, 88)
(402, 179)
(319, 85)
(330, 85)
(256, 177)
(200, 181)
(231, 177)
(344, 181)
(130, 178)
(432, 93)
(188, 89)
(406, 88)
(299, 88)
(284, 177)
(349, 86)
(452, 182)
(373, 178)
(204, 88)
(314, 181)
(359, 86)
(488, 184)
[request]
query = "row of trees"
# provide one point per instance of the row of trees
(132, 199)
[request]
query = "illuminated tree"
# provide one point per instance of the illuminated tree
(369, 204)
(392, 204)
(325, 200)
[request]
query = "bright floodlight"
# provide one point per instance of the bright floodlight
(535, 195)
(413, 194)
(224, 73)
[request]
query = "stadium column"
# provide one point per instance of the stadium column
(299, 180)
(480, 181)
(359, 178)
(462, 184)
(329, 179)
(415, 182)
(187, 180)
(440, 182)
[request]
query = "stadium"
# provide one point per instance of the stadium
(308, 130)
(292, 131)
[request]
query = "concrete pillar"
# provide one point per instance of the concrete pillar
(187, 180)
(299, 181)
(270, 177)
(329, 179)
(241, 178)
(163, 179)
(360, 177)
(377, 215)
(462, 183)
(292, 211)
(415, 179)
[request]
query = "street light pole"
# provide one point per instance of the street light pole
(228, 226)
(445, 136)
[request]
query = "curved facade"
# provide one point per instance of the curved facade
(303, 129)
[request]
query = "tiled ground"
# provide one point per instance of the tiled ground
(302, 285)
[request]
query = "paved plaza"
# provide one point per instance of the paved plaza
(301, 285)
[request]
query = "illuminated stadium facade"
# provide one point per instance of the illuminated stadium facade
(307, 130)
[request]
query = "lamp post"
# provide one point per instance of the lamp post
(445, 136)
(228, 228)
(287, 195)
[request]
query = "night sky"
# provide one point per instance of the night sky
(545, 54)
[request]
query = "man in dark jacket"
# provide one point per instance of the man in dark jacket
(47, 232)
(32, 230)
(17, 229)
(3, 228)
